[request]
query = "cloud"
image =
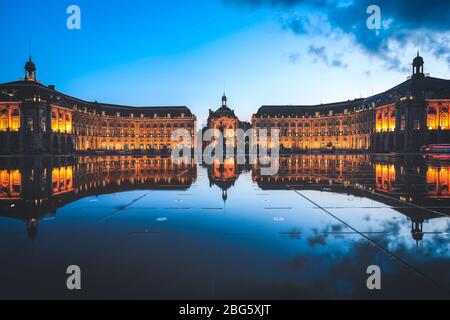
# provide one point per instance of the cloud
(279, 3)
(421, 23)
(408, 14)
(338, 63)
(320, 54)
(294, 57)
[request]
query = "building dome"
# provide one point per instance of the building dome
(418, 61)
(418, 66)
(30, 66)
(224, 110)
(30, 70)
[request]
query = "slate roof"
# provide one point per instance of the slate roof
(307, 110)
(418, 86)
(22, 90)
(223, 111)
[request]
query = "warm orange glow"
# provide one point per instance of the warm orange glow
(9, 118)
(438, 180)
(120, 170)
(68, 127)
(62, 179)
(94, 132)
(61, 120)
(227, 126)
(54, 121)
(225, 171)
(339, 132)
(438, 117)
(385, 119)
(11, 184)
(384, 176)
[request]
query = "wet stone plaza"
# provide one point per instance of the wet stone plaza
(144, 227)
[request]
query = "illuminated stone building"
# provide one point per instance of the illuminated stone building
(336, 125)
(402, 119)
(225, 121)
(35, 118)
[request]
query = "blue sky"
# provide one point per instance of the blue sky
(146, 52)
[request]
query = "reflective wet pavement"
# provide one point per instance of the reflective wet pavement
(146, 228)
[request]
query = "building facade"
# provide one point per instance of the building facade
(225, 121)
(402, 119)
(35, 118)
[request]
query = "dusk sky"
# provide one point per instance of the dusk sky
(146, 52)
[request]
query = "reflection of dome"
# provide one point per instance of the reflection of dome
(224, 184)
(223, 175)
(417, 230)
(224, 195)
(32, 228)
(417, 235)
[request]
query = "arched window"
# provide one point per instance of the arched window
(54, 121)
(60, 122)
(4, 125)
(432, 119)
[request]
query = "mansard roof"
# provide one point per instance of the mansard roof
(26, 90)
(223, 111)
(307, 110)
(418, 86)
(4, 97)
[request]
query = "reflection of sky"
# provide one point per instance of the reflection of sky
(259, 243)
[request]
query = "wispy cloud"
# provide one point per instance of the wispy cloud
(421, 23)
(294, 57)
(320, 54)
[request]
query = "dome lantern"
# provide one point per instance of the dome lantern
(30, 70)
(418, 65)
(224, 100)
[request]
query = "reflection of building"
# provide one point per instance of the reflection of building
(36, 118)
(226, 122)
(438, 182)
(404, 118)
(10, 184)
(224, 174)
(311, 170)
(409, 184)
(384, 176)
(32, 187)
